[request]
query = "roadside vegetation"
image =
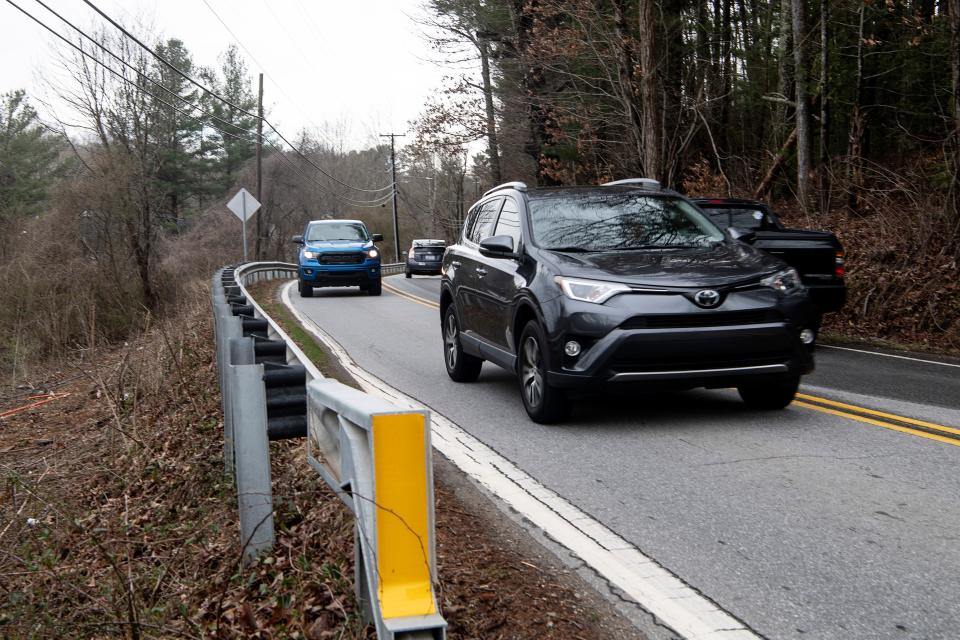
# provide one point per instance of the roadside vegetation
(115, 519)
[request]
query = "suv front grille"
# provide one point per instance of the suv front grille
(354, 257)
(702, 319)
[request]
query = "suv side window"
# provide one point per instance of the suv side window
(509, 222)
(486, 215)
(468, 222)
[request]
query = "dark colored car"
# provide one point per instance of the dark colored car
(425, 257)
(817, 255)
(593, 288)
(338, 253)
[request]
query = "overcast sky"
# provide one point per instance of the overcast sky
(354, 68)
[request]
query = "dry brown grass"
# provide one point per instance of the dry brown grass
(116, 519)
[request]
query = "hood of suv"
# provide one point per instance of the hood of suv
(338, 245)
(718, 265)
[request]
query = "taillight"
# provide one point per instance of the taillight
(410, 253)
(839, 270)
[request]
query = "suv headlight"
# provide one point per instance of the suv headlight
(311, 255)
(595, 291)
(373, 253)
(786, 281)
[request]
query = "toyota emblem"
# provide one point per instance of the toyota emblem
(707, 298)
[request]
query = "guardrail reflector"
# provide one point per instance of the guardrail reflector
(403, 527)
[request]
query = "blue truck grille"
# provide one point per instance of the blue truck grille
(353, 257)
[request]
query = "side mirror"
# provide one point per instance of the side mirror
(377, 237)
(740, 234)
(297, 239)
(497, 246)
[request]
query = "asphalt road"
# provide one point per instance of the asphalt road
(836, 518)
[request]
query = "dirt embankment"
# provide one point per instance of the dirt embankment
(116, 520)
(903, 278)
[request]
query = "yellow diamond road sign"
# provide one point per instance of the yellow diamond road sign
(243, 204)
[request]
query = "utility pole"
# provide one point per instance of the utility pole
(259, 169)
(393, 177)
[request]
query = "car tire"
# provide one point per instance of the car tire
(461, 366)
(306, 290)
(544, 404)
(407, 274)
(374, 289)
(770, 395)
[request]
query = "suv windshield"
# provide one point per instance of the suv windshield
(328, 231)
(617, 221)
(742, 218)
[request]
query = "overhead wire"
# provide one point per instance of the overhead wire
(371, 204)
(123, 77)
(263, 68)
(126, 64)
(213, 93)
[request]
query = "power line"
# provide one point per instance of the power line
(121, 61)
(224, 100)
(264, 69)
(368, 205)
(365, 204)
(126, 79)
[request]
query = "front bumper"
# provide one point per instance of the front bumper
(666, 341)
(340, 275)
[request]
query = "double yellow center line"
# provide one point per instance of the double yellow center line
(920, 428)
(412, 298)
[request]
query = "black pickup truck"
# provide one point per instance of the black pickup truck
(817, 255)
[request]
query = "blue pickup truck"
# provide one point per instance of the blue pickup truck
(338, 253)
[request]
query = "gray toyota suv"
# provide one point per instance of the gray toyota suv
(621, 284)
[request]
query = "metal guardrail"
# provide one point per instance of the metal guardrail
(375, 456)
(393, 268)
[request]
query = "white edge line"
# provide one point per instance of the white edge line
(653, 587)
(889, 355)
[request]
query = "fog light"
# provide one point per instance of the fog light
(572, 348)
(309, 272)
(807, 336)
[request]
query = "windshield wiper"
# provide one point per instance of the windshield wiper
(647, 247)
(570, 249)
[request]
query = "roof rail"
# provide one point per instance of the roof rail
(519, 186)
(644, 183)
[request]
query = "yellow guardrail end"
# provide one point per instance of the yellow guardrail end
(403, 515)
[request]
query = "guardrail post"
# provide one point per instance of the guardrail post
(251, 449)
(227, 327)
(385, 473)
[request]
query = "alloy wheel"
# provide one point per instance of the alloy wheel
(450, 341)
(531, 375)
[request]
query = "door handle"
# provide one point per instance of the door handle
(455, 263)
(481, 271)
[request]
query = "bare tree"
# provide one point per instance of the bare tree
(799, 10)
(649, 95)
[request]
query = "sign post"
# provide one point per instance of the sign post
(243, 205)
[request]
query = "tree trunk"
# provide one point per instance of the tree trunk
(726, 74)
(785, 64)
(824, 107)
(774, 170)
(652, 143)
(803, 104)
(855, 148)
(627, 88)
(492, 147)
(954, 8)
